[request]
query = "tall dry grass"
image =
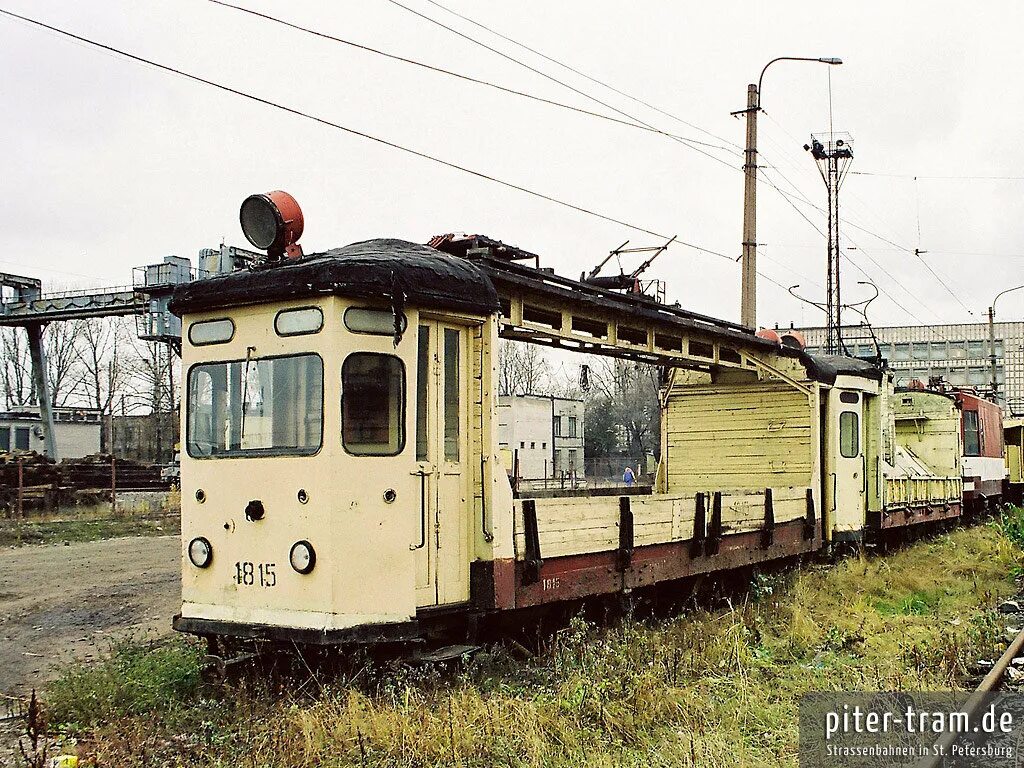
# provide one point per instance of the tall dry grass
(711, 688)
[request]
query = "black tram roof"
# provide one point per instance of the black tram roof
(395, 270)
(825, 368)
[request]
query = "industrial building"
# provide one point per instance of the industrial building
(547, 433)
(958, 353)
(77, 431)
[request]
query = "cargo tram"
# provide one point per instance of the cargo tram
(341, 477)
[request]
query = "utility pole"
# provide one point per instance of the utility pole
(833, 153)
(748, 290)
(992, 340)
(992, 351)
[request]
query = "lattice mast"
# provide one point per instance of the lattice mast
(833, 153)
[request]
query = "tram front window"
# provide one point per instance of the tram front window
(373, 404)
(256, 407)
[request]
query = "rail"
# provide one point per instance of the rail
(991, 682)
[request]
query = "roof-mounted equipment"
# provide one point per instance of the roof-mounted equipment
(273, 223)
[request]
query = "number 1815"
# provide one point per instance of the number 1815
(250, 574)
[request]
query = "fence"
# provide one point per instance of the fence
(598, 472)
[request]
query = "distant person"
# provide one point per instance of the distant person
(628, 477)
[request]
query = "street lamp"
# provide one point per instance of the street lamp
(992, 339)
(748, 292)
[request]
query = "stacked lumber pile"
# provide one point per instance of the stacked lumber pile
(95, 472)
(48, 485)
(40, 478)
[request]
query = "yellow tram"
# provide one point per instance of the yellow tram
(341, 477)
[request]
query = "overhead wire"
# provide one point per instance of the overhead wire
(430, 19)
(938, 178)
(790, 199)
(915, 251)
(461, 76)
(552, 78)
(509, 39)
(422, 155)
(821, 211)
(584, 75)
(361, 134)
(844, 255)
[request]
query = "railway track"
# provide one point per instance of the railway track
(990, 684)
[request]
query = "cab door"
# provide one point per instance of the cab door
(442, 463)
(846, 478)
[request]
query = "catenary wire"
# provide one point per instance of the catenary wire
(553, 79)
(938, 178)
(576, 90)
(584, 74)
(464, 77)
(846, 256)
(790, 199)
(916, 252)
(361, 134)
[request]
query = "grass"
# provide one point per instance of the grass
(133, 679)
(711, 688)
(84, 524)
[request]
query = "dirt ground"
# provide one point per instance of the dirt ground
(62, 602)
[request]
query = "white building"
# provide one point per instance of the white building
(958, 353)
(545, 432)
(77, 431)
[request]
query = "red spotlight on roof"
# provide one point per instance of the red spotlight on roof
(794, 339)
(273, 223)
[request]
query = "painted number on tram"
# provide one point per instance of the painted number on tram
(255, 574)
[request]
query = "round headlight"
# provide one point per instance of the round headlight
(271, 222)
(302, 557)
(260, 220)
(200, 552)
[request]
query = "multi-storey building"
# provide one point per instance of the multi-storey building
(545, 432)
(958, 353)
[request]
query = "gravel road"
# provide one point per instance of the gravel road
(63, 602)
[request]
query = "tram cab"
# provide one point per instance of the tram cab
(334, 425)
(852, 430)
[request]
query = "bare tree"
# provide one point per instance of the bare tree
(623, 404)
(17, 368)
(523, 369)
(63, 365)
(102, 346)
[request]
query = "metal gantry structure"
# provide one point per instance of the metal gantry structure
(23, 304)
(833, 153)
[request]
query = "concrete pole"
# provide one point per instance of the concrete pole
(992, 350)
(748, 291)
(42, 386)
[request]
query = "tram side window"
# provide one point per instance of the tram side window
(972, 435)
(373, 404)
(452, 388)
(264, 406)
(422, 382)
(5, 438)
(849, 434)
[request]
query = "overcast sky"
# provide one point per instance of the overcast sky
(109, 164)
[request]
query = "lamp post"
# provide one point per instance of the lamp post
(992, 339)
(748, 291)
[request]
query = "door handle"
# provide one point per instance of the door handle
(423, 512)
